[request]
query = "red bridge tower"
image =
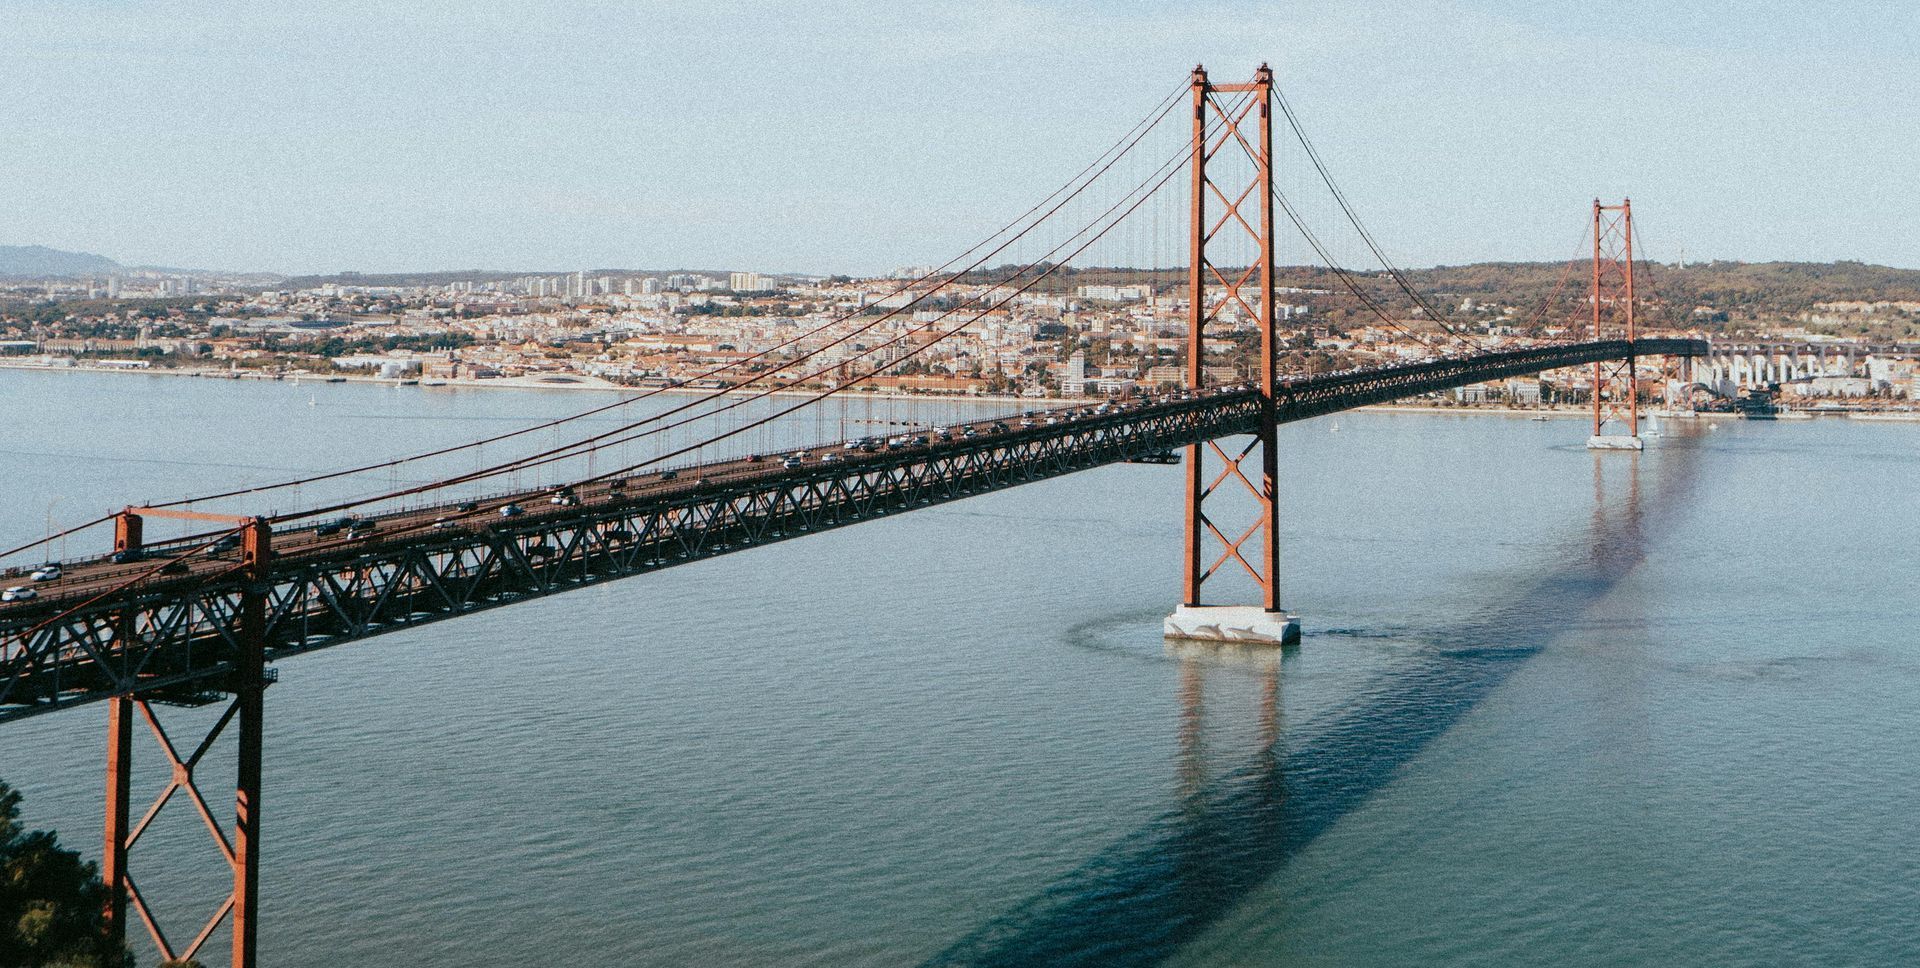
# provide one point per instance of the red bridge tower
(1230, 274)
(1616, 384)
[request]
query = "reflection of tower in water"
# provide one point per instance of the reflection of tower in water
(1162, 885)
(1199, 661)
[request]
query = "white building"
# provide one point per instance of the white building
(750, 282)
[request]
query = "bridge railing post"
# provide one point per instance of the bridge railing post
(128, 531)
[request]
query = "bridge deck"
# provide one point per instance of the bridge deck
(176, 635)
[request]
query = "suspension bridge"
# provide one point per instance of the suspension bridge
(197, 619)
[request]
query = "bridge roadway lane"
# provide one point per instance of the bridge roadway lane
(85, 578)
(1297, 398)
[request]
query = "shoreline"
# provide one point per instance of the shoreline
(570, 382)
(577, 382)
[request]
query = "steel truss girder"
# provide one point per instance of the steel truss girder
(156, 640)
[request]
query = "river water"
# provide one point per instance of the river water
(1552, 708)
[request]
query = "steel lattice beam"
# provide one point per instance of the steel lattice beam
(184, 639)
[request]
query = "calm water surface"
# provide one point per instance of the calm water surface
(1552, 708)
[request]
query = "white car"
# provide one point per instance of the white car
(18, 593)
(47, 572)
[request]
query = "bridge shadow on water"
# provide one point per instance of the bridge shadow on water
(1159, 887)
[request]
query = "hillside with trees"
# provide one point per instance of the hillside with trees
(1715, 297)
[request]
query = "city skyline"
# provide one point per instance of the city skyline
(354, 138)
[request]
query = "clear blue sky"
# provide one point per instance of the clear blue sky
(834, 136)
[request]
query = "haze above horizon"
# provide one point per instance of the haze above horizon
(851, 137)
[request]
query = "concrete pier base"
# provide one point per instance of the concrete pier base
(1615, 442)
(1232, 623)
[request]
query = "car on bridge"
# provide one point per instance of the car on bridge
(18, 593)
(46, 572)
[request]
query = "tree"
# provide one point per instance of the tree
(52, 905)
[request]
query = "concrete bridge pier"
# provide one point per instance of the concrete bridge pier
(1245, 624)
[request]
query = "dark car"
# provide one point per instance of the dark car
(669, 475)
(174, 568)
(226, 544)
(131, 554)
(468, 506)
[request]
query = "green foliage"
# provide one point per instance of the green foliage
(51, 903)
(45, 313)
(332, 346)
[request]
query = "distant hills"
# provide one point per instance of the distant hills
(38, 260)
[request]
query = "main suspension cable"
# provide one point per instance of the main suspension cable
(1313, 155)
(1125, 144)
(598, 441)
